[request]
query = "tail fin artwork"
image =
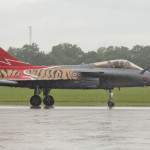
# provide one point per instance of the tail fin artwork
(8, 60)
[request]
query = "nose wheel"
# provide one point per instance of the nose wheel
(110, 102)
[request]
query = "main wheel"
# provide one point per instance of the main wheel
(35, 101)
(110, 104)
(48, 101)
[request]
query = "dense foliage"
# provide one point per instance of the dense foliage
(72, 54)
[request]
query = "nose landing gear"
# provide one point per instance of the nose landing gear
(110, 102)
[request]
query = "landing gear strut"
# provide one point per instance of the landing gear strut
(48, 99)
(110, 102)
(35, 100)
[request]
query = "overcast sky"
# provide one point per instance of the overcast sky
(88, 23)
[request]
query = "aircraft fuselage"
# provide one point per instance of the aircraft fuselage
(73, 77)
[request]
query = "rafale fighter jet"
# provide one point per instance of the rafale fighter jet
(100, 75)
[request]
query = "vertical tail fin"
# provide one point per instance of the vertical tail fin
(8, 60)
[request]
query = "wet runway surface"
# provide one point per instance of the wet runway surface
(70, 128)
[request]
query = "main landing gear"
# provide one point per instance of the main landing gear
(36, 100)
(110, 102)
(48, 99)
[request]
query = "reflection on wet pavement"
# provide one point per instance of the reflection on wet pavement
(74, 129)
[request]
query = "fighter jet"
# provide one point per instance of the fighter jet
(105, 75)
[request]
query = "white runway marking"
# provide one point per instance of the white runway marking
(78, 107)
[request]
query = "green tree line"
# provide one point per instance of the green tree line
(70, 54)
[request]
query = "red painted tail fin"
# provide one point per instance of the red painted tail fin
(8, 60)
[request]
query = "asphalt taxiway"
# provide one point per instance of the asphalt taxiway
(75, 128)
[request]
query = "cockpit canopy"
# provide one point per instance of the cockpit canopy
(119, 63)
